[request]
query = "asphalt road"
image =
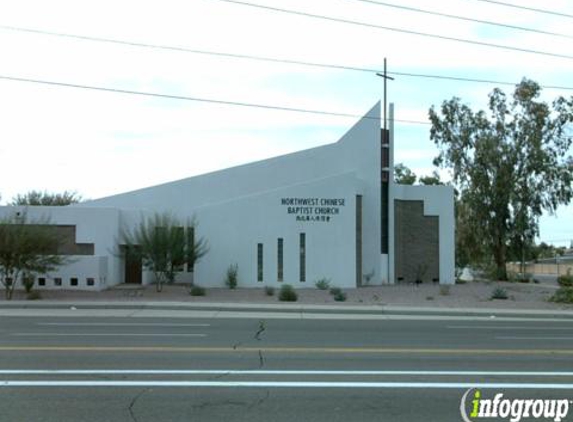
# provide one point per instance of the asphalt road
(74, 368)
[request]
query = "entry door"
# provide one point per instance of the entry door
(132, 267)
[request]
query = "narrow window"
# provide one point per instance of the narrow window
(41, 281)
(280, 270)
(73, 281)
(57, 281)
(302, 257)
(259, 262)
(358, 240)
(190, 249)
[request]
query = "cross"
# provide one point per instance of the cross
(386, 77)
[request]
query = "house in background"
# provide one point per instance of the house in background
(333, 211)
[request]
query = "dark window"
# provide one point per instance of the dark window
(73, 281)
(280, 269)
(57, 281)
(190, 249)
(358, 240)
(259, 262)
(302, 257)
(41, 281)
(90, 281)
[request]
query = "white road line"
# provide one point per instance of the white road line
(117, 324)
(285, 384)
(532, 338)
(105, 335)
(272, 372)
(484, 327)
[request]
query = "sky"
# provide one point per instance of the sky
(99, 143)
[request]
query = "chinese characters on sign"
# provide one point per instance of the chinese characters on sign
(313, 209)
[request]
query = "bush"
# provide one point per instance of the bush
(287, 293)
(322, 284)
(269, 291)
(340, 297)
(499, 293)
(232, 279)
(335, 291)
(35, 295)
(565, 280)
(563, 295)
(197, 291)
(28, 282)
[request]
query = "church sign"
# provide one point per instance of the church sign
(313, 209)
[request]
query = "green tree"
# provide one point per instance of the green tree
(26, 248)
(164, 245)
(35, 197)
(433, 179)
(403, 175)
(509, 164)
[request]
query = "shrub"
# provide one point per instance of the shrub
(563, 295)
(566, 280)
(335, 291)
(322, 284)
(35, 295)
(28, 282)
(340, 297)
(232, 279)
(197, 291)
(499, 293)
(269, 290)
(287, 293)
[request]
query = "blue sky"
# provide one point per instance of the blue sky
(100, 143)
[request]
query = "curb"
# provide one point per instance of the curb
(289, 308)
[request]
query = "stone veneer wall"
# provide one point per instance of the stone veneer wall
(416, 242)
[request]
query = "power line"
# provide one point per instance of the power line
(405, 31)
(198, 99)
(548, 12)
(466, 19)
(261, 58)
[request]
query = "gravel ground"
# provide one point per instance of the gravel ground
(475, 294)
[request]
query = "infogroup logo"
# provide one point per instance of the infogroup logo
(513, 409)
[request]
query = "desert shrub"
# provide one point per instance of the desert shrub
(287, 293)
(269, 290)
(232, 278)
(322, 284)
(563, 295)
(335, 291)
(499, 293)
(565, 280)
(340, 297)
(28, 282)
(197, 291)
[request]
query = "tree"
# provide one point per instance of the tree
(164, 246)
(26, 248)
(403, 175)
(509, 165)
(35, 197)
(434, 179)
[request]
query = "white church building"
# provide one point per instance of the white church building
(328, 212)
